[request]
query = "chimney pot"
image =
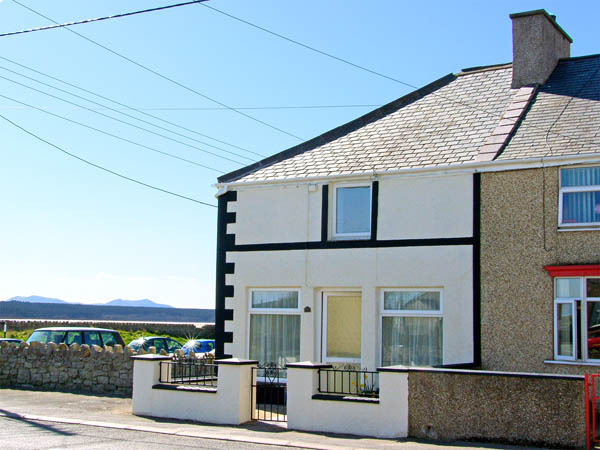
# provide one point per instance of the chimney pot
(538, 43)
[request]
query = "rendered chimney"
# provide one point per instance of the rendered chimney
(538, 43)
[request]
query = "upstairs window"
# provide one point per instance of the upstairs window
(352, 211)
(579, 199)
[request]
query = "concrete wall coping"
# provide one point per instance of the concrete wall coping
(151, 357)
(404, 369)
(236, 361)
(308, 365)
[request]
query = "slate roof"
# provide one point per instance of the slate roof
(569, 106)
(446, 123)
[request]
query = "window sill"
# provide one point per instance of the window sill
(588, 228)
(342, 237)
(572, 363)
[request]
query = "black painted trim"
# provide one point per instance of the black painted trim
(227, 337)
(482, 373)
(374, 209)
(340, 131)
(185, 388)
(324, 212)
(365, 243)
(477, 269)
(224, 242)
(346, 398)
(229, 314)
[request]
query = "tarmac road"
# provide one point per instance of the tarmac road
(22, 434)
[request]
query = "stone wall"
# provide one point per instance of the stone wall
(547, 410)
(184, 330)
(519, 236)
(100, 370)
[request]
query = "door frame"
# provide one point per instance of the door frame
(324, 294)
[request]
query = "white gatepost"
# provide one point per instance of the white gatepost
(234, 388)
(302, 384)
(393, 402)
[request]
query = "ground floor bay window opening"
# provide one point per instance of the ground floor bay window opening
(412, 328)
(577, 319)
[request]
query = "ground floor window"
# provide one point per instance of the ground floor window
(274, 326)
(412, 327)
(577, 318)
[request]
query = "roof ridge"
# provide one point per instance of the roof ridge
(479, 69)
(575, 58)
(341, 130)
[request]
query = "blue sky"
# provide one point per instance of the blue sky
(70, 231)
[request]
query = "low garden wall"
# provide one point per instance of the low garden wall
(496, 406)
(100, 370)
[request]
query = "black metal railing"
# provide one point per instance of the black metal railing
(362, 383)
(195, 372)
(269, 393)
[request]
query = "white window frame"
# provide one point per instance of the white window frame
(579, 326)
(325, 297)
(361, 235)
(570, 189)
(272, 311)
(410, 313)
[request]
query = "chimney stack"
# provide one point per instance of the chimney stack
(538, 43)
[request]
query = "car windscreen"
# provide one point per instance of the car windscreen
(46, 336)
(136, 345)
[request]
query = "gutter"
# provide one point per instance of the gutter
(450, 169)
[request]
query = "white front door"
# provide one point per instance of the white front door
(341, 324)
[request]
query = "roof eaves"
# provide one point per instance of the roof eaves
(340, 131)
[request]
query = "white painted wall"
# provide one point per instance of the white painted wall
(409, 208)
(231, 404)
(368, 271)
(426, 207)
(387, 419)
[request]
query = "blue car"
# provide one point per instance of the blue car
(201, 347)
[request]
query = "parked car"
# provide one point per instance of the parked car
(201, 347)
(11, 340)
(76, 335)
(158, 342)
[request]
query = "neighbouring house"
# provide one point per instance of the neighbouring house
(457, 225)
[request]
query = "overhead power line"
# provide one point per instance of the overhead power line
(164, 77)
(124, 122)
(99, 19)
(373, 72)
(139, 110)
(97, 166)
(106, 133)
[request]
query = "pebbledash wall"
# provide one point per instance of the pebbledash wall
(71, 369)
(279, 236)
(519, 236)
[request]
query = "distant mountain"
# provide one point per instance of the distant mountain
(35, 299)
(145, 302)
(118, 302)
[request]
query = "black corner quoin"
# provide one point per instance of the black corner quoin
(225, 242)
